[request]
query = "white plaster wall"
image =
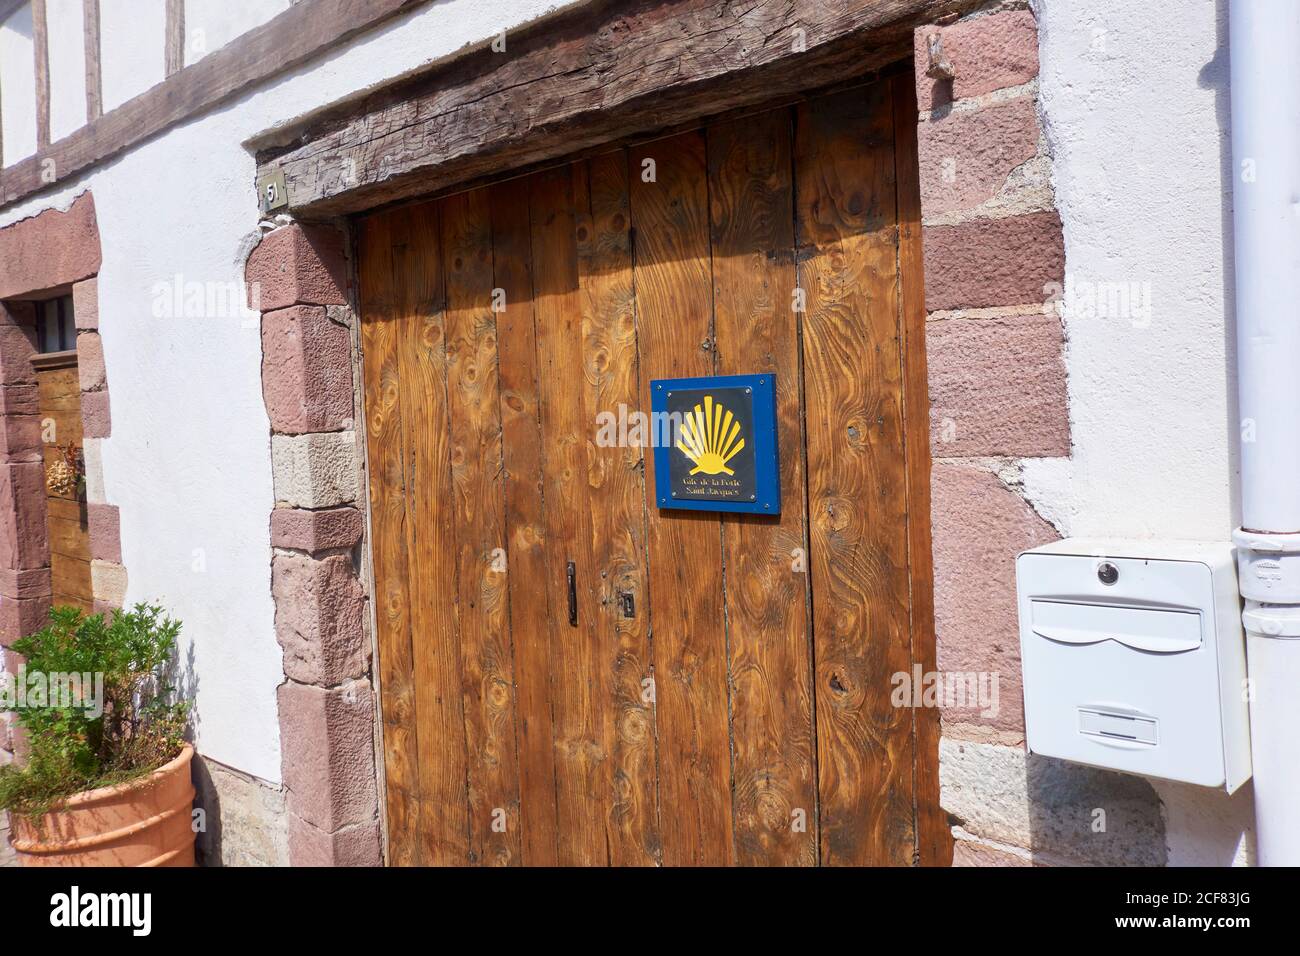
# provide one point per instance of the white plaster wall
(1135, 104)
(188, 461)
(211, 24)
(66, 30)
(1134, 98)
(17, 86)
(132, 48)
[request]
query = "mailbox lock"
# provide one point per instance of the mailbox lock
(1107, 573)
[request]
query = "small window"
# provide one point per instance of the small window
(55, 330)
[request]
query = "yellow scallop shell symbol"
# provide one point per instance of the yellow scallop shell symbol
(710, 438)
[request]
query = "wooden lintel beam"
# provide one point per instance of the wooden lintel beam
(588, 75)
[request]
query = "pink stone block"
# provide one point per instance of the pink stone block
(297, 264)
(22, 616)
(32, 583)
(90, 362)
(965, 158)
(994, 262)
(50, 250)
(18, 313)
(17, 346)
(18, 740)
(85, 304)
(306, 371)
(96, 420)
(997, 387)
(357, 845)
(327, 753)
(986, 53)
(24, 541)
(979, 526)
(319, 618)
(105, 532)
(19, 400)
(315, 531)
(20, 438)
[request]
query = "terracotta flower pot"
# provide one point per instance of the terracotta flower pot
(142, 823)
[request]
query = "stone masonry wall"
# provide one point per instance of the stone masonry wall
(46, 253)
(298, 277)
(994, 258)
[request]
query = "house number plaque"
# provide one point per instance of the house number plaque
(715, 443)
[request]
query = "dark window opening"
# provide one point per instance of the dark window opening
(55, 329)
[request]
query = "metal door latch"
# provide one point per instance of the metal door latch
(571, 574)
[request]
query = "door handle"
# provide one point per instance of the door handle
(571, 574)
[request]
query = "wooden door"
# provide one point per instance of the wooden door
(59, 393)
(723, 693)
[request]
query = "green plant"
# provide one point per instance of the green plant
(105, 712)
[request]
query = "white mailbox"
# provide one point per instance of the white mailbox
(1134, 658)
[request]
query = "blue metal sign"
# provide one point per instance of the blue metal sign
(715, 443)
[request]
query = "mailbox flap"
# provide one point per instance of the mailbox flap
(1158, 631)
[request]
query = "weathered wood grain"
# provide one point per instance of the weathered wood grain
(445, 824)
(670, 216)
(41, 47)
(381, 318)
(857, 483)
(580, 703)
(756, 327)
(615, 271)
(477, 504)
(616, 505)
(934, 837)
(532, 613)
(174, 44)
(586, 76)
(58, 392)
(94, 78)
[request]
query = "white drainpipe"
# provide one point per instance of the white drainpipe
(1264, 36)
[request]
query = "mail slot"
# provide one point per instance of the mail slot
(1118, 726)
(1134, 658)
(1143, 629)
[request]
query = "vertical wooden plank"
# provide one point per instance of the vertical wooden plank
(934, 838)
(531, 609)
(94, 84)
(431, 538)
(578, 703)
(616, 504)
(174, 48)
(674, 319)
(385, 441)
(41, 46)
(857, 483)
(477, 503)
(752, 223)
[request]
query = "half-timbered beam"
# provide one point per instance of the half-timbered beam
(41, 47)
(306, 29)
(94, 81)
